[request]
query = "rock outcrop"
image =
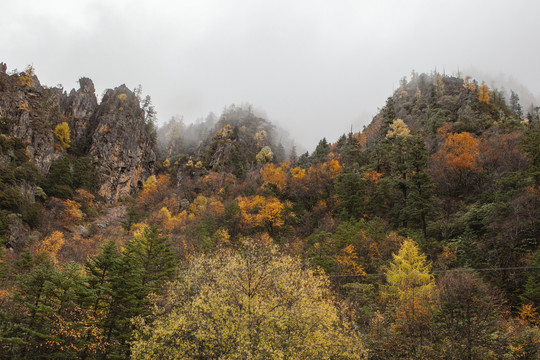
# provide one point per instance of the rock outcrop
(29, 112)
(114, 133)
(80, 107)
(122, 144)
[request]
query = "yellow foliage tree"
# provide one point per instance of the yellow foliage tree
(154, 190)
(199, 205)
(398, 128)
(483, 93)
(170, 223)
(62, 133)
(150, 183)
(215, 207)
(411, 288)
(253, 303)
(298, 173)
(26, 77)
(51, 245)
(137, 230)
(409, 274)
(260, 137)
(222, 236)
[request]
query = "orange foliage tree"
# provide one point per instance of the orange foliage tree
(261, 212)
(347, 261)
(456, 158)
(274, 176)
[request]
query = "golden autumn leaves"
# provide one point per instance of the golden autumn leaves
(251, 303)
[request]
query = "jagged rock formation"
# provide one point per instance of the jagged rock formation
(80, 107)
(122, 145)
(114, 133)
(28, 111)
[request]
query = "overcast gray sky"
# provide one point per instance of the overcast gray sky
(315, 67)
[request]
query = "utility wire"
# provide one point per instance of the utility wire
(443, 271)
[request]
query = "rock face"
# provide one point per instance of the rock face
(122, 144)
(80, 106)
(114, 133)
(29, 112)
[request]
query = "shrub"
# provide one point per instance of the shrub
(62, 134)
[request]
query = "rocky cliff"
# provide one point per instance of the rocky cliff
(80, 106)
(29, 112)
(122, 144)
(114, 133)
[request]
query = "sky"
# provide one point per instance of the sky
(314, 67)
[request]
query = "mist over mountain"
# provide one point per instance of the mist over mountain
(309, 65)
(269, 180)
(148, 239)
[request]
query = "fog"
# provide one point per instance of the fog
(315, 68)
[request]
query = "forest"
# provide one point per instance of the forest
(416, 238)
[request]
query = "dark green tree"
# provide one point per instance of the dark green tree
(351, 189)
(152, 252)
(100, 271)
(59, 181)
(408, 163)
(531, 146)
(322, 149)
(515, 106)
(388, 113)
(141, 269)
(51, 318)
(84, 175)
(531, 290)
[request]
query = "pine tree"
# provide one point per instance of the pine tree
(412, 186)
(352, 153)
(293, 157)
(351, 187)
(531, 146)
(141, 269)
(515, 106)
(531, 291)
(388, 114)
(51, 315)
(100, 271)
(322, 149)
(153, 253)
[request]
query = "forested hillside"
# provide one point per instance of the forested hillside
(417, 238)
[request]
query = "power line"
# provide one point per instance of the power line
(443, 271)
